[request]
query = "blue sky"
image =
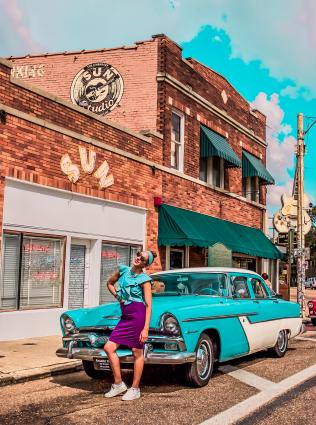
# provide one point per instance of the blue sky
(266, 49)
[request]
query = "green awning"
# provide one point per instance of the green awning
(178, 227)
(252, 166)
(212, 144)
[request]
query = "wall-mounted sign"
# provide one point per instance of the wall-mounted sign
(72, 171)
(29, 247)
(111, 255)
(97, 87)
(28, 71)
(286, 217)
(219, 256)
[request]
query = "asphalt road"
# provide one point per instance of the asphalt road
(77, 399)
(297, 406)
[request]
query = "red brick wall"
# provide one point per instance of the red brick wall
(192, 196)
(237, 140)
(31, 152)
(208, 84)
(145, 104)
(137, 65)
(42, 107)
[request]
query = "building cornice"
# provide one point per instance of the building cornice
(154, 166)
(167, 78)
(6, 63)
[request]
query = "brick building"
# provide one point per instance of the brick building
(104, 152)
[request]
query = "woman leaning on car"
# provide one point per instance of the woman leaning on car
(134, 295)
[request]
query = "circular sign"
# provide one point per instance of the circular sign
(97, 87)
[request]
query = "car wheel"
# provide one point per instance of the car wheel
(92, 373)
(198, 373)
(313, 321)
(281, 345)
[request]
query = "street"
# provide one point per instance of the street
(76, 399)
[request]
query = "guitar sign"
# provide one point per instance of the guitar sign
(286, 217)
(97, 87)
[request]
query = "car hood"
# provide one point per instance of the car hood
(182, 307)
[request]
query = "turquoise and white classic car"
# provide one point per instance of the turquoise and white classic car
(200, 316)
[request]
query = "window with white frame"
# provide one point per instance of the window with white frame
(177, 140)
(250, 188)
(212, 171)
(112, 256)
(32, 272)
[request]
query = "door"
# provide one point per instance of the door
(263, 327)
(78, 274)
(176, 258)
(239, 306)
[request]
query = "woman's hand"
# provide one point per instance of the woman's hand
(143, 335)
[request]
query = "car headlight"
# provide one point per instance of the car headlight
(68, 324)
(310, 304)
(170, 325)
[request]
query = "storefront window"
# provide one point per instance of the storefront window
(112, 256)
(245, 263)
(32, 272)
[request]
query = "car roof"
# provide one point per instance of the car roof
(208, 270)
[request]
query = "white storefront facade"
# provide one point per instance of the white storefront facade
(59, 248)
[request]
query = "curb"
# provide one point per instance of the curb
(40, 373)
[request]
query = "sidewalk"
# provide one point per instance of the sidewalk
(32, 358)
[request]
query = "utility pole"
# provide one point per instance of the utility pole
(290, 260)
(300, 214)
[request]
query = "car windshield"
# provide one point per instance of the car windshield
(214, 284)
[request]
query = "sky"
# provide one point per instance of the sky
(265, 48)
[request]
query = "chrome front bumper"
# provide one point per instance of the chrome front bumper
(72, 351)
(150, 357)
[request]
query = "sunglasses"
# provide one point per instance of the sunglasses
(142, 258)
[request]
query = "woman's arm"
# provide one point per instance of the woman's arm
(148, 301)
(112, 281)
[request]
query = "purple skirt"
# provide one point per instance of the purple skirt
(127, 331)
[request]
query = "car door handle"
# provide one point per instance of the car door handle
(256, 301)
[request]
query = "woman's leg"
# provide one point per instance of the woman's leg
(110, 349)
(138, 366)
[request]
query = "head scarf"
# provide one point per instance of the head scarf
(150, 257)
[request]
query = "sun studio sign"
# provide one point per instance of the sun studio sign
(97, 87)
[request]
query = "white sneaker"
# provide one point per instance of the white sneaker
(131, 394)
(116, 389)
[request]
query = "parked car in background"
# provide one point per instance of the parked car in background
(311, 304)
(200, 316)
(311, 283)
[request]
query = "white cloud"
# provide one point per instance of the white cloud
(14, 14)
(217, 39)
(280, 151)
(281, 34)
(293, 92)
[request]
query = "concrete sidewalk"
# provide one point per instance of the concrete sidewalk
(33, 358)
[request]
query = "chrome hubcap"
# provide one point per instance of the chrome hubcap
(203, 359)
(282, 341)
